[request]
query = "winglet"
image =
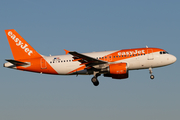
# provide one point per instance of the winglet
(66, 51)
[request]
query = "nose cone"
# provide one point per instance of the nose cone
(173, 59)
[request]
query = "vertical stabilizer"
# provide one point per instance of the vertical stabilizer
(19, 47)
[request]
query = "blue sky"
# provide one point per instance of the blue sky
(87, 26)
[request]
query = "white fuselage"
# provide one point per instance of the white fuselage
(65, 63)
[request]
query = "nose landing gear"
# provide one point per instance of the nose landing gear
(150, 71)
(152, 76)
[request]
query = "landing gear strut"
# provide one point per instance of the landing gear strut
(94, 79)
(150, 71)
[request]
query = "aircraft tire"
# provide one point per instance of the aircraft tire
(152, 77)
(95, 81)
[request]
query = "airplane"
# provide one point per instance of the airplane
(115, 64)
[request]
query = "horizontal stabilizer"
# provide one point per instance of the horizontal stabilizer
(17, 63)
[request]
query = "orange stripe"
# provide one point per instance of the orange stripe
(129, 53)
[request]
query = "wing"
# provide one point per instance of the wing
(84, 59)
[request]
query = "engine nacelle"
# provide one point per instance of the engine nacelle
(117, 71)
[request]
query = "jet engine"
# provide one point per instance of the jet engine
(117, 71)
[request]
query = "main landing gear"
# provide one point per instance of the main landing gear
(94, 79)
(150, 71)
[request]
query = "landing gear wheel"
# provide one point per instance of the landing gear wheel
(95, 81)
(150, 71)
(152, 76)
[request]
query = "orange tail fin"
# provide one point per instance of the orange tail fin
(19, 47)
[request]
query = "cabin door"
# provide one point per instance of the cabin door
(43, 63)
(150, 54)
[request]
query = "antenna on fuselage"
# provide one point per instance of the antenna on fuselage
(146, 46)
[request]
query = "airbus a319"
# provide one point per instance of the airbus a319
(115, 64)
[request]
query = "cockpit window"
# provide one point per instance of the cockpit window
(163, 52)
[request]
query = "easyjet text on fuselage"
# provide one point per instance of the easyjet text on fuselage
(132, 52)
